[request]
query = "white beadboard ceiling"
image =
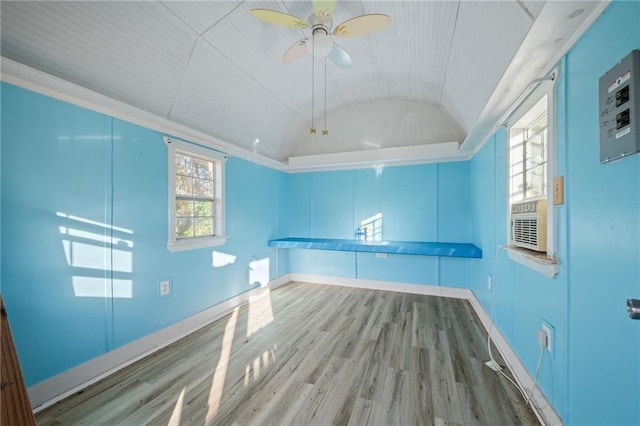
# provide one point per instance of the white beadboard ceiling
(442, 71)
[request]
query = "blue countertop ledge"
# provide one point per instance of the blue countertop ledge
(393, 247)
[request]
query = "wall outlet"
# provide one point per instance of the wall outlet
(548, 339)
(165, 287)
(489, 282)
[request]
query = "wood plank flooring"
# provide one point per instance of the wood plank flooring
(308, 354)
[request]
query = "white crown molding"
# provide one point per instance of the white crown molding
(383, 157)
(40, 82)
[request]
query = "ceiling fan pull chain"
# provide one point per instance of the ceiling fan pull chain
(312, 129)
(325, 131)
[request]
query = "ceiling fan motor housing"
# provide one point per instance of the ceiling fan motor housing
(322, 40)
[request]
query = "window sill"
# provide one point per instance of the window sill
(195, 243)
(539, 262)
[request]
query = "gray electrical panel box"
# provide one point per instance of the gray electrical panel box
(620, 109)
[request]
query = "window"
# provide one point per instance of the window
(532, 163)
(196, 196)
(528, 154)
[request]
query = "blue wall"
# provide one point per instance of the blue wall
(593, 374)
(71, 180)
(417, 203)
(603, 217)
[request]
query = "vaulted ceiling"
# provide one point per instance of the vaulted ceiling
(441, 71)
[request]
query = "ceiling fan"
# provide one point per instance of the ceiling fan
(321, 43)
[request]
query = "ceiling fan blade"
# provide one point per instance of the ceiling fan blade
(324, 6)
(361, 25)
(340, 57)
(295, 52)
(279, 18)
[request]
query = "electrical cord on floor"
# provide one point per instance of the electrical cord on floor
(542, 343)
(494, 365)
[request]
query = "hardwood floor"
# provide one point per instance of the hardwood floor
(312, 354)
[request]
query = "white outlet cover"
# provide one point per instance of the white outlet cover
(165, 288)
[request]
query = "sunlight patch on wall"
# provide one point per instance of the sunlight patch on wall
(372, 227)
(94, 250)
(93, 222)
(82, 255)
(221, 259)
(102, 287)
(259, 272)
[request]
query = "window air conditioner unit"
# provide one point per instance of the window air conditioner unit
(529, 225)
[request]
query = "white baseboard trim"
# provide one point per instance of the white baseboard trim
(541, 406)
(50, 391)
(428, 290)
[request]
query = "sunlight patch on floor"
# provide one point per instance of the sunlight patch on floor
(220, 374)
(260, 311)
(177, 411)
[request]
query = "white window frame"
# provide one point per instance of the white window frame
(544, 263)
(177, 146)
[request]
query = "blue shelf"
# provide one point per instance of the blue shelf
(392, 247)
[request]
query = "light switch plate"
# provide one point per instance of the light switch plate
(558, 190)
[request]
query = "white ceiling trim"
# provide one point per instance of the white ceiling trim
(415, 154)
(37, 81)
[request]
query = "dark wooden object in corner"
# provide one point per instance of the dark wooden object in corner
(14, 404)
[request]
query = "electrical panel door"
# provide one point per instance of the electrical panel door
(620, 109)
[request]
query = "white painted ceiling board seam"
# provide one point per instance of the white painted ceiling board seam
(227, 15)
(181, 89)
(526, 10)
(250, 77)
(444, 75)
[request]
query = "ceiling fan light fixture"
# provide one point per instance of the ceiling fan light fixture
(321, 44)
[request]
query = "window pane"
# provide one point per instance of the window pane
(184, 185)
(204, 226)
(517, 186)
(536, 181)
(203, 169)
(516, 168)
(183, 164)
(203, 208)
(184, 227)
(203, 188)
(515, 156)
(184, 207)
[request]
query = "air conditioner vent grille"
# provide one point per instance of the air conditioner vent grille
(529, 225)
(526, 231)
